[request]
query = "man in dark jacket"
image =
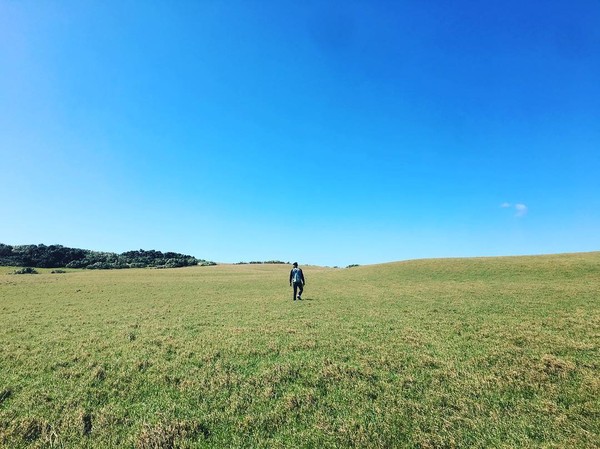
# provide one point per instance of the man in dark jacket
(297, 279)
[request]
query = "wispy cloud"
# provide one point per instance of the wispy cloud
(521, 210)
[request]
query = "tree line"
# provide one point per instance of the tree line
(58, 256)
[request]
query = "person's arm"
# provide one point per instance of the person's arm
(291, 276)
(302, 274)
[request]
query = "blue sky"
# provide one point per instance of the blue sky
(329, 133)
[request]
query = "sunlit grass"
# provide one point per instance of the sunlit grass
(499, 352)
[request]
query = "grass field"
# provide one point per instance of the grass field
(465, 353)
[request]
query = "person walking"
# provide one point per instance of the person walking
(297, 279)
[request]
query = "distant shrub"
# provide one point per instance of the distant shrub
(100, 266)
(26, 270)
(258, 262)
(174, 263)
(137, 265)
(58, 271)
(353, 265)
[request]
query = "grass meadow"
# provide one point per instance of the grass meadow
(453, 353)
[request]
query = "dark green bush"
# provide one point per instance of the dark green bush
(26, 270)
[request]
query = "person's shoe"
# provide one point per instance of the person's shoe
(299, 297)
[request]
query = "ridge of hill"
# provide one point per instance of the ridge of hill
(565, 264)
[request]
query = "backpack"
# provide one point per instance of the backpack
(297, 275)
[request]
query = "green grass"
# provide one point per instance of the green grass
(465, 353)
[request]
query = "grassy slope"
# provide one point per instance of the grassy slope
(499, 352)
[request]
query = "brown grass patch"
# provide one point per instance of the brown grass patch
(166, 435)
(31, 431)
(554, 366)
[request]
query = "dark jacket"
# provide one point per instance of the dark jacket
(301, 275)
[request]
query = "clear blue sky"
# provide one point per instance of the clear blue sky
(329, 133)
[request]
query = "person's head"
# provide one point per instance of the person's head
(295, 264)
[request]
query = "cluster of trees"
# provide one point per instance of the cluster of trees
(58, 256)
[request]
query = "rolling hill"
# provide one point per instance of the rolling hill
(447, 353)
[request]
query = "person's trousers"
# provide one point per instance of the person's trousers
(298, 288)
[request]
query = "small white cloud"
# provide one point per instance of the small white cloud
(505, 205)
(521, 210)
